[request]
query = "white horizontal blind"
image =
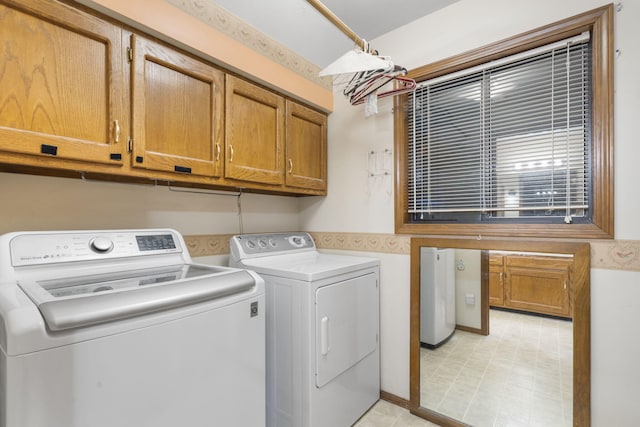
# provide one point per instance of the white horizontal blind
(509, 140)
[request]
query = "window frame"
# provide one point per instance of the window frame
(599, 22)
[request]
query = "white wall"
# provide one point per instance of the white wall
(45, 203)
(355, 202)
(615, 352)
(468, 282)
(465, 25)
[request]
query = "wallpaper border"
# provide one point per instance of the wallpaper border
(608, 255)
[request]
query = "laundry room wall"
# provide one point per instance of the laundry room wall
(33, 202)
(358, 203)
(468, 283)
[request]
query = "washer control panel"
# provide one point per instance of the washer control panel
(34, 248)
(262, 244)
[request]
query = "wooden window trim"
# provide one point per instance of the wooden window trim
(600, 23)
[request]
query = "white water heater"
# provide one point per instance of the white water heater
(437, 295)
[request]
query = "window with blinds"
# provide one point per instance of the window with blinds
(507, 141)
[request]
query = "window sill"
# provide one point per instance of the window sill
(565, 231)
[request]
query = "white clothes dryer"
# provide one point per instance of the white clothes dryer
(322, 314)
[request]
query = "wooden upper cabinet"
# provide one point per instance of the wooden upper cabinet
(177, 111)
(306, 148)
(254, 133)
(60, 83)
(81, 93)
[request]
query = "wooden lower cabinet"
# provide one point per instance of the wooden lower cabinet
(539, 284)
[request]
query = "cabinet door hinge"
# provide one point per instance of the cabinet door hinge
(129, 145)
(129, 54)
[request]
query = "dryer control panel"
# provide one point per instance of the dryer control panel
(251, 245)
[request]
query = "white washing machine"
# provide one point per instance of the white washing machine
(121, 329)
(323, 356)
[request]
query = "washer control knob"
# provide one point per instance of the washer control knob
(262, 243)
(101, 245)
(251, 244)
(272, 243)
(296, 241)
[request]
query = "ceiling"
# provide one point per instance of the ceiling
(298, 26)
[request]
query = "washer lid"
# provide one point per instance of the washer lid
(308, 266)
(73, 302)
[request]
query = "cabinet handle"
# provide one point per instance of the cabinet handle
(116, 127)
(501, 276)
(231, 157)
(290, 166)
(49, 149)
(217, 152)
(182, 169)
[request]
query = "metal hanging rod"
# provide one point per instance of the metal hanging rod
(327, 13)
(155, 183)
(203, 191)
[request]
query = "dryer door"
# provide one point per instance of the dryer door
(346, 325)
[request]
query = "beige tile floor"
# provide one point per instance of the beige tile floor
(520, 375)
(385, 414)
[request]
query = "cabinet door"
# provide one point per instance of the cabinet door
(538, 284)
(306, 148)
(177, 111)
(254, 133)
(60, 83)
(496, 283)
